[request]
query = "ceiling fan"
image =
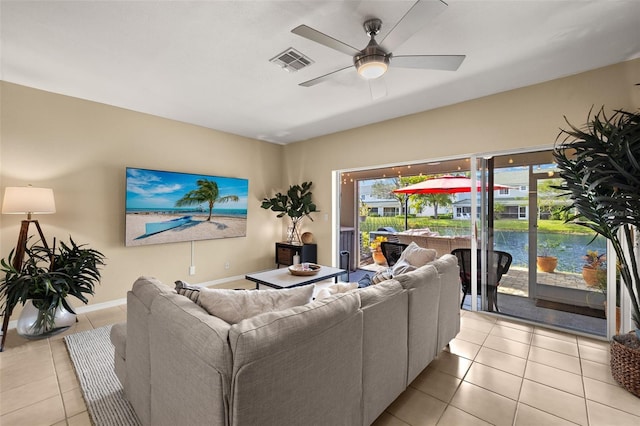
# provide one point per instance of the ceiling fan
(373, 61)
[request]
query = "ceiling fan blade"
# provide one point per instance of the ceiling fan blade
(325, 40)
(325, 77)
(429, 62)
(412, 22)
(378, 88)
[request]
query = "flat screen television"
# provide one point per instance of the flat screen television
(168, 207)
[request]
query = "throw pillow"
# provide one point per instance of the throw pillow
(187, 290)
(417, 256)
(233, 306)
(401, 267)
(382, 275)
(335, 289)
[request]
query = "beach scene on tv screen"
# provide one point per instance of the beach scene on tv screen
(166, 207)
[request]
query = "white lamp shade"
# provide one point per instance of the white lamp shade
(27, 199)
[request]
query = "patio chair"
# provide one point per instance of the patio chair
(499, 263)
(392, 251)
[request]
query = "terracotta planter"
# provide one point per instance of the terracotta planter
(547, 263)
(590, 276)
(378, 257)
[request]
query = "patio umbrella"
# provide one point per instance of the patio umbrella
(447, 184)
(443, 185)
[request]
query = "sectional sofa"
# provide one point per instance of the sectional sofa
(341, 360)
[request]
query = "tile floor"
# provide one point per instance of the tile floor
(496, 371)
(38, 386)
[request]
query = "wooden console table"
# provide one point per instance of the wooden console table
(286, 251)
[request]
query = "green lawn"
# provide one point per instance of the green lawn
(462, 226)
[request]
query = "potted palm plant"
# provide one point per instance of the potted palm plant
(43, 282)
(296, 204)
(601, 172)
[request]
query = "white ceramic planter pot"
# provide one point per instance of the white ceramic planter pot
(31, 324)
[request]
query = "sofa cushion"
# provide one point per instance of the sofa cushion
(384, 346)
(420, 231)
(335, 289)
(118, 337)
(417, 256)
(190, 362)
(147, 288)
(187, 290)
(274, 331)
(447, 262)
(299, 366)
(423, 276)
(378, 293)
(401, 267)
(233, 306)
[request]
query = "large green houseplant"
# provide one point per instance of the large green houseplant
(296, 204)
(600, 165)
(47, 277)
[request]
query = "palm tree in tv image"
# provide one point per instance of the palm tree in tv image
(207, 192)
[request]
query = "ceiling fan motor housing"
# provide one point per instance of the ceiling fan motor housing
(372, 26)
(372, 61)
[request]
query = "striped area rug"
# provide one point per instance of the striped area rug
(92, 356)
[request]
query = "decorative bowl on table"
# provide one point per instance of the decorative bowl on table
(304, 269)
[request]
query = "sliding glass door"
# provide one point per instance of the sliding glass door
(512, 205)
(525, 218)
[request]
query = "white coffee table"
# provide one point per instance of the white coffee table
(282, 278)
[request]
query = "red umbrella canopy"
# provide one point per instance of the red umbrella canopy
(443, 185)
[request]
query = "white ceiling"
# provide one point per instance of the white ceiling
(207, 62)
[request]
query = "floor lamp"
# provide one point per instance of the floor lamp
(25, 200)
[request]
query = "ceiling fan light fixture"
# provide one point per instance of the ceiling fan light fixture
(373, 66)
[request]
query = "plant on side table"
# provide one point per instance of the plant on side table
(296, 204)
(45, 279)
(601, 172)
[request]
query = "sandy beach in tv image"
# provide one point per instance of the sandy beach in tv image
(166, 207)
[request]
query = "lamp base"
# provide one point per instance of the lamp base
(17, 264)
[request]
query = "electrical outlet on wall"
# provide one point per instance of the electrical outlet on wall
(192, 270)
(227, 265)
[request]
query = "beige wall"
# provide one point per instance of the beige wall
(81, 149)
(522, 118)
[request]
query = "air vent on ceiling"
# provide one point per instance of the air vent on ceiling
(291, 60)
